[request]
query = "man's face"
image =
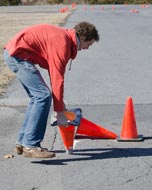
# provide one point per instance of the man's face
(85, 44)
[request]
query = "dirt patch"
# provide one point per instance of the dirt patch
(13, 20)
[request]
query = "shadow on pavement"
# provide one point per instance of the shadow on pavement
(96, 154)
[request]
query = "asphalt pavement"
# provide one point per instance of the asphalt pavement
(100, 81)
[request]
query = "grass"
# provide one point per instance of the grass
(12, 22)
(6, 76)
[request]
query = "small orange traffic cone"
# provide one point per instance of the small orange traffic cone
(70, 115)
(102, 7)
(84, 8)
(90, 129)
(92, 8)
(67, 135)
(134, 10)
(129, 129)
(113, 7)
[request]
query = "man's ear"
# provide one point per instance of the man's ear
(82, 38)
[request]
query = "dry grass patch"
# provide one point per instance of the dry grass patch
(6, 76)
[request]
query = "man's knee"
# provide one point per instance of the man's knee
(45, 95)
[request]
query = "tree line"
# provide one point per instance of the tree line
(32, 2)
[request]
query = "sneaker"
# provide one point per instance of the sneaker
(44, 149)
(19, 149)
(37, 153)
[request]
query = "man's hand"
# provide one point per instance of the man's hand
(61, 119)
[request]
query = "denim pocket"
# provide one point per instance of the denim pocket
(30, 67)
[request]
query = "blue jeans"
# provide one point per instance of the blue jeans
(33, 128)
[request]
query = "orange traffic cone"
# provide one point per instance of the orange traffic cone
(134, 10)
(90, 129)
(70, 115)
(129, 129)
(84, 8)
(102, 7)
(67, 135)
(92, 8)
(113, 7)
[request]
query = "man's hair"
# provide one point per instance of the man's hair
(86, 30)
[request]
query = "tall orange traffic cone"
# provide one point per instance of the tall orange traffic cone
(90, 129)
(67, 135)
(129, 129)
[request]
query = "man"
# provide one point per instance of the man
(50, 47)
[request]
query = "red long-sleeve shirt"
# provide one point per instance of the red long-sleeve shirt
(50, 47)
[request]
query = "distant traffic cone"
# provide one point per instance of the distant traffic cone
(113, 7)
(129, 129)
(134, 10)
(102, 7)
(67, 135)
(90, 129)
(84, 8)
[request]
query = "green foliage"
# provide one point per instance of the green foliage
(118, 1)
(15, 2)
(9, 2)
(55, 1)
(4, 3)
(32, 2)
